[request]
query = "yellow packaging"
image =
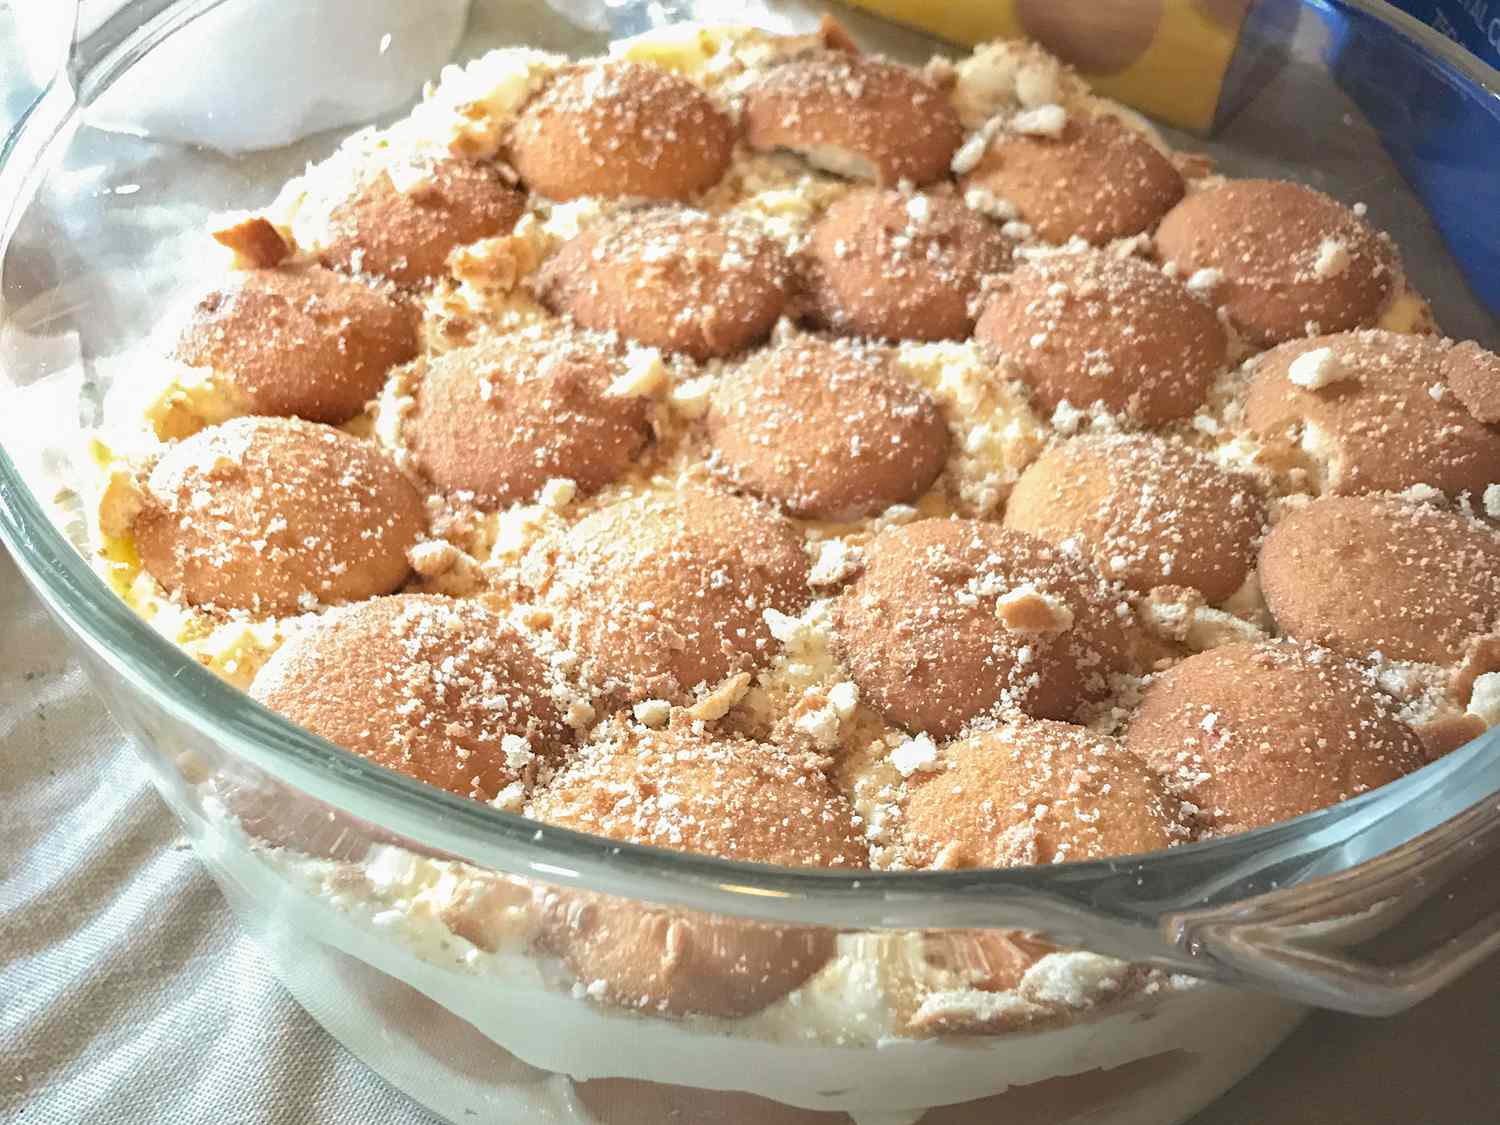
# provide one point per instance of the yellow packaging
(1166, 58)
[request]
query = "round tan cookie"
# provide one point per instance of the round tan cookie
(1035, 791)
(827, 431)
(953, 619)
(406, 236)
(661, 593)
(276, 515)
(1099, 180)
(502, 418)
(277, 815)
(303, 342)
(1097, 40)
(1291, 261)
(987, 960)
(732, 798)
(1385, 417)
(685, 281)
(621, 129)
(856, 116)
(1092, 328)
(1253, 734)
(1362, 574)
(1150, 513)
(902, 266)
(441, 690)
(1473, 374)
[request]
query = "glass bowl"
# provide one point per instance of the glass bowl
(404, 919)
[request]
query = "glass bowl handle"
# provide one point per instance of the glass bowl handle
(1373, 940)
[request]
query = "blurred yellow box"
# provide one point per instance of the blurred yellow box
(1166, 58)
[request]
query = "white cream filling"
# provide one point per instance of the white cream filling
(826, 1046)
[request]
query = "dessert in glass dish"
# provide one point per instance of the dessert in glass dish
(743, 445)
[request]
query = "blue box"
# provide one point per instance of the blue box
(1474, 23)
